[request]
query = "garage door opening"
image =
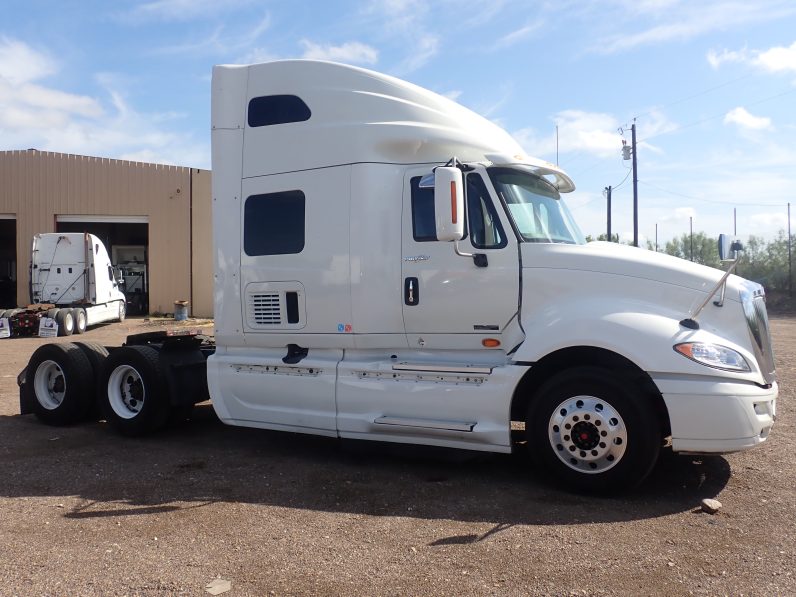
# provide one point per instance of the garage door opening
(127, 241)
(8, 262)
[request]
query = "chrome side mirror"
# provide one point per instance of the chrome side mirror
(449, 203)
(729, 248)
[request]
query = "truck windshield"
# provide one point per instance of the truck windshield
(536, 207)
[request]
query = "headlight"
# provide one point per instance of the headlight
(713, 355)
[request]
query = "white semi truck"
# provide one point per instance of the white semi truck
(391, 266)
(71, 273)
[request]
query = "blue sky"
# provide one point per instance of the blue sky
(711, 84)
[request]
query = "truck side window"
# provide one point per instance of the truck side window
(277, 109)
(273, 224)
(424, 228)
(485, 229)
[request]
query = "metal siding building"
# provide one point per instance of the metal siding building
(168, 207)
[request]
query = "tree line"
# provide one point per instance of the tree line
(762, 261)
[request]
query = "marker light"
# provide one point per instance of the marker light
(454, 211)
(713, 355)
(490, 342)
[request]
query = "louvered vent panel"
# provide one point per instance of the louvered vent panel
(264, 308)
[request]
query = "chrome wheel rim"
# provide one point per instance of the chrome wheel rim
(587, 434)
(49, 385)
(80, 322)
(126, 391)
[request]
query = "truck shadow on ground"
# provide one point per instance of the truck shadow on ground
(204, 461)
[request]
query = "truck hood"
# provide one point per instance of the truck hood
(622, 260)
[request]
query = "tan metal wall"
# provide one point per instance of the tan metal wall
(202, 244)
(39, 186)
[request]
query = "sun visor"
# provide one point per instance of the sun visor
(560, 179)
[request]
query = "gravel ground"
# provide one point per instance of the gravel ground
(86, 512)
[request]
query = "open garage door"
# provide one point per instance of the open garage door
(8, 262)
(127, 241)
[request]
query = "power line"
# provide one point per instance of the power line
(715, 116)
(649, 184)
(690, 97)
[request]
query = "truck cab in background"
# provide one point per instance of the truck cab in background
(73, 272)
(391, 266)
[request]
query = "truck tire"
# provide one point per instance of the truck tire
(594, 430)
(62, 383)
(96, 355)
(66, 322)
(79, 313)
(122, 311)
(53, 312)
(132, 392)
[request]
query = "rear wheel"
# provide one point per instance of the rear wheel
(595, 430)
(133, 394)
(66, 322)
(96, 355)
(80, 320)
(61, 379)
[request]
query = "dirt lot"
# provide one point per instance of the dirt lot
(86, 512)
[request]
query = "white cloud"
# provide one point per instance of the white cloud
(778, 59)
(775, 59)
(716, 59)
(221, 43)
(518, 35)
(694, 19)
(769, 220)
(352, 52)
(425, 48)
(19, 63)
(180, 10)
(406, 21)
(578, 131)
(453, 94)
(33, 114)
(743, 118)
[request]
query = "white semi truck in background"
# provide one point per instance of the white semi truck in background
(71, 281)
(391, 266)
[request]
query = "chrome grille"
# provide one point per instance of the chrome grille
(265, 308)
(754, 308)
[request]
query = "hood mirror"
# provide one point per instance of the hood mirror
(729, 248)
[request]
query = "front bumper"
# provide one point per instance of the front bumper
(710, 416)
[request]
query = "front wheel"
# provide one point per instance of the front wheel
(122, 311)
(595, 430)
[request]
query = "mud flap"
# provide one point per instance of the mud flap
(26, 396)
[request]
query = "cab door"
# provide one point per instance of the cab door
(451, 301)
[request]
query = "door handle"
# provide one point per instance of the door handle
(411, 292)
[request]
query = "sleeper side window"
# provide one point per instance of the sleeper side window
(269, 110)
(273, 224)
(483, 222)
(424, 228)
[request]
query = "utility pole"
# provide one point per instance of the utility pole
(691, 228)
(608, 195)
(635, 185)
(790, 268)
(656, 237)
(735, 221)
(556, 145)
